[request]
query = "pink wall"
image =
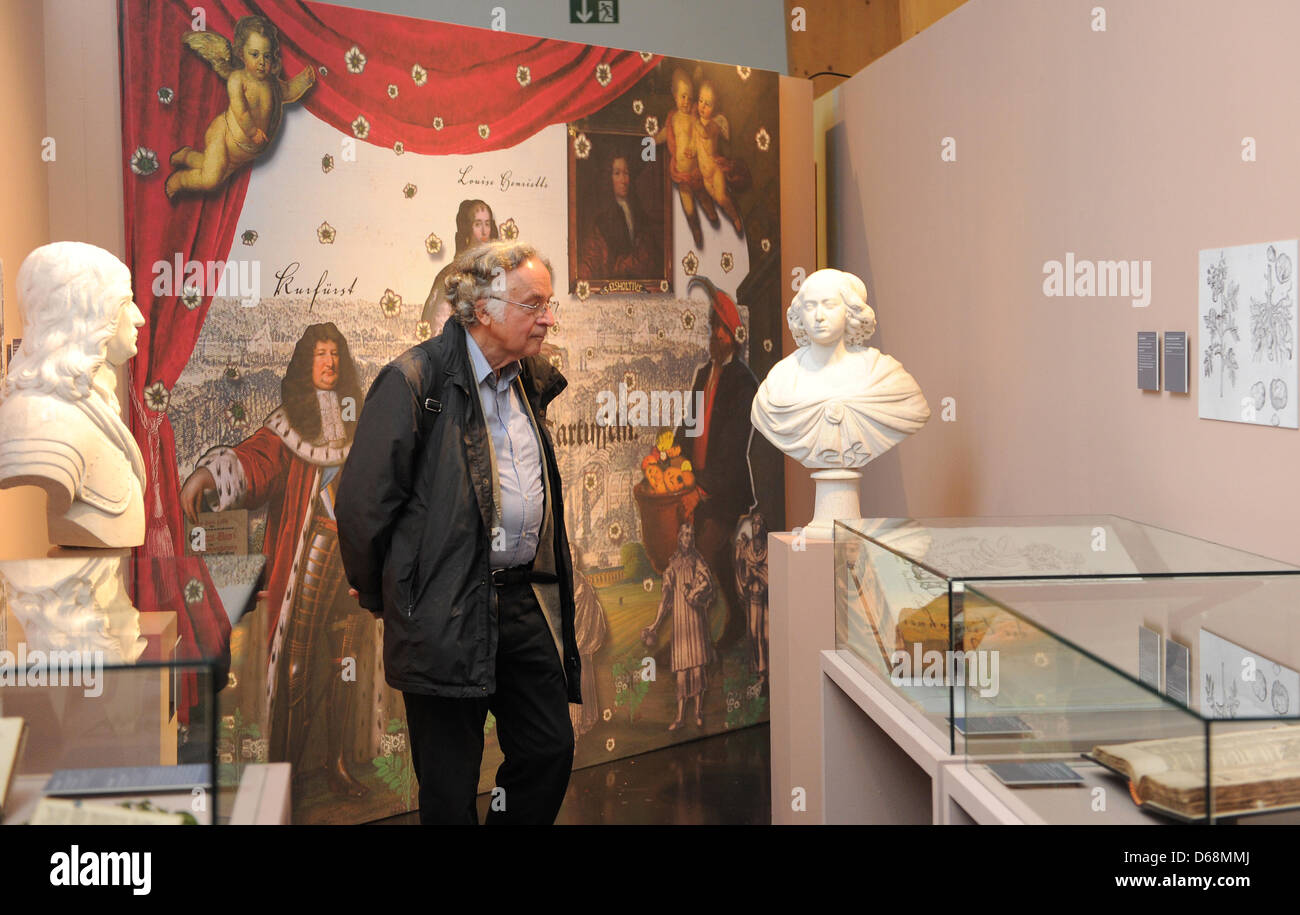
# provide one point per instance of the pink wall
(1117, 144)
(58, 79)
(798, 246)
(24, 223)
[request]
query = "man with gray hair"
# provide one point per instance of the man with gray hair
(451, 527)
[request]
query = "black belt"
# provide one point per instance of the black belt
(519, 575)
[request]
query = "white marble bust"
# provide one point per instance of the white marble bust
(76, 604)
(835, 403)
(61, 425)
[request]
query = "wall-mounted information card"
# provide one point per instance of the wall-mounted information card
(1178, 376)
(1148, 360)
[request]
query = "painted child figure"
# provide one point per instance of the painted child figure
(689, 589)
(683, 169)
(251, 68)
(719, 174)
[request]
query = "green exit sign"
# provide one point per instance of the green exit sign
(592, 11)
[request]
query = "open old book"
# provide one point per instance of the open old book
(1251, 771)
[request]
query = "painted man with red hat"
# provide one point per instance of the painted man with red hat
(719, 454)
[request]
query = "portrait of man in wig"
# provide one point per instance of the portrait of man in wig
(291, 465)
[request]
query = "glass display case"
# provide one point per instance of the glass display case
(901, 583)
(108, 710)
(1103, 701)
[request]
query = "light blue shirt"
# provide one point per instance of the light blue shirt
(518, 461)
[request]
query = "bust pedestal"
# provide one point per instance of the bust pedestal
(836, 497)
(801, 614)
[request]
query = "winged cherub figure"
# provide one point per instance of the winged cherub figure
(250, 65)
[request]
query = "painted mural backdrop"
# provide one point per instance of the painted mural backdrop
(297, 177)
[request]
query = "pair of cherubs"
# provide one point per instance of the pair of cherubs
(696, 133)
(250, 65)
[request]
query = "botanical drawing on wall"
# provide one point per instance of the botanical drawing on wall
(1247, 308)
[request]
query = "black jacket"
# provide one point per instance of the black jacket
(414, 519)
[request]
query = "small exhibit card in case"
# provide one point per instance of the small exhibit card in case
(992, 726)
(1149, 657)
(1178, 672)
(1032, 774)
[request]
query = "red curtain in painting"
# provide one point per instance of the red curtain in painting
(435, 88)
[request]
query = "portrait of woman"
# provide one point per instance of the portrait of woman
(475, 225)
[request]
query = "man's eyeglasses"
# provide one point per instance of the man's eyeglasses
(553, 304)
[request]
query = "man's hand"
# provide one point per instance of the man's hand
(191, 498)
(690, 500)
(356, 595)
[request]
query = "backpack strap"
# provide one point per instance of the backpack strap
(430, 393)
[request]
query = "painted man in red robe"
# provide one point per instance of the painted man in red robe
(718, 449)
(291, 465)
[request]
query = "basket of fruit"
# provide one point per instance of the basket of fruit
(665, 497)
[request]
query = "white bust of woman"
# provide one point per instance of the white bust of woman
(835, 403)
(60, 423)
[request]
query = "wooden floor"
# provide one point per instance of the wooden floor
(719, 780)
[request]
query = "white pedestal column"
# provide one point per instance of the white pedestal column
(836, 499)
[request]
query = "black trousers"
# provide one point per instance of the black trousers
(531, 706)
